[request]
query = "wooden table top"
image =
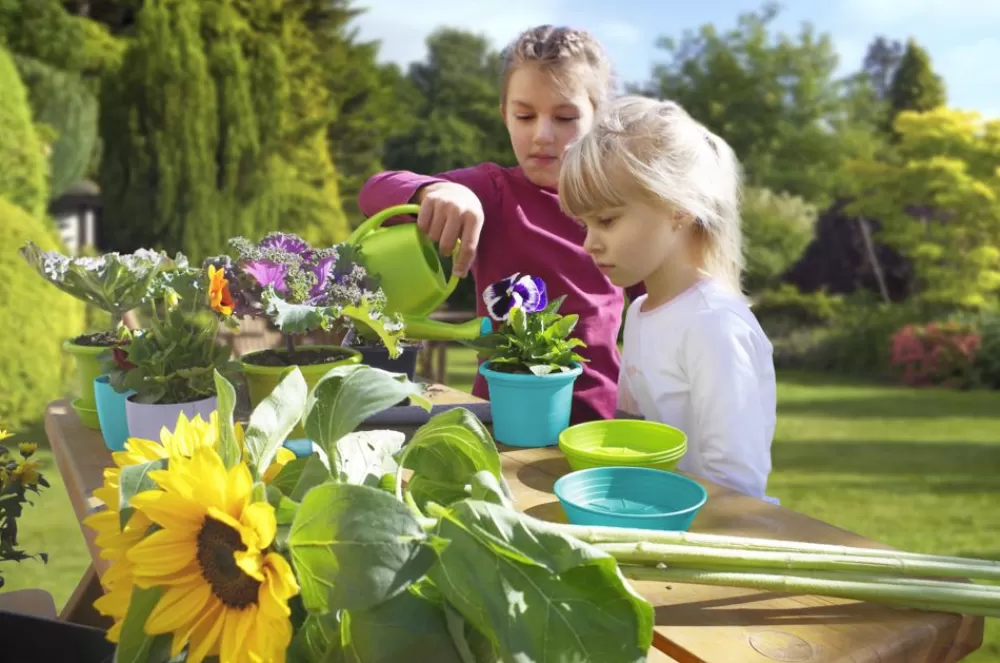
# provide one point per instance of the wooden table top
(694, 623)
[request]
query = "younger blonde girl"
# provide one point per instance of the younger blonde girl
(659, 196)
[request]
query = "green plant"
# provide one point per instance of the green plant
(34, 319)
(786, 308)
(175, 358)
(988, 358)
(112, 282)
(533, 337)
(23, 178)
(18, 478)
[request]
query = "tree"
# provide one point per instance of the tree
(23, 168)
(458, 121)
(777, 228)
(880, 64)
(773, 98)
(216, 126)
(915, 86)
(937, 197)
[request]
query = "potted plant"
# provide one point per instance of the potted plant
(112, 282)
(529, 361)
(300, 290)
(169, 366)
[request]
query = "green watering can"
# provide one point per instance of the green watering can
(412, 276)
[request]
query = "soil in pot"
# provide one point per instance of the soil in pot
(304, 356)
(101, 339)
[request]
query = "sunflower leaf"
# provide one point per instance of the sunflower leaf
(132, 480)
(229, 447)
(404, 627)
(445, 455)
(355, 546)
(348, 395)
(275, 417)
(300, 476)
(134, 645)
(546, 596)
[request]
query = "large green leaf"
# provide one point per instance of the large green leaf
(229, 447)
(355, 546)
(364, 457)
(318, 640)
(275, 417)
(348, 395)
(446, 453)
(300, 475)
(132, 480)
(539, 595)
(405, 627)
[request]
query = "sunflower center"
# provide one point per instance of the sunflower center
(217, 542)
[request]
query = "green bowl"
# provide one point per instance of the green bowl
(623, 442)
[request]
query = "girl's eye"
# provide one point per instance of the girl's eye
(567, 119)
(605, 222)
(524, 117)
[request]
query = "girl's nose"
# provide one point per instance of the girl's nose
(543, 131)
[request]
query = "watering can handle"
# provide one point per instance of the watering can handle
(376, 220)
(379, 218)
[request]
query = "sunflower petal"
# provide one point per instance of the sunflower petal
(176, 607)
(161, 553)
(235, 633)
(239, 483)
(206, 636)
(170, 510)
(260, 518)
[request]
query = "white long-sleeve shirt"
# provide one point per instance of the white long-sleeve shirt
(701, 363)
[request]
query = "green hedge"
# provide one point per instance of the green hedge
(35, 318)
(23, 166)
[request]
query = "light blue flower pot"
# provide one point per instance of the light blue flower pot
(530, 410)
(111, 413)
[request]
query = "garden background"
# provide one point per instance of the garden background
(872, 218)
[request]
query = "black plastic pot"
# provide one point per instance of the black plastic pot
(39, 640)
(377, 356)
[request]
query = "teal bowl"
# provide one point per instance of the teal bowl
(632, 497)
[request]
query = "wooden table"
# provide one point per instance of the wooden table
(694, 623)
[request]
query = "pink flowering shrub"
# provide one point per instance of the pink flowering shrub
(938, 353)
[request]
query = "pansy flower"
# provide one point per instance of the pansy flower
(523, 290)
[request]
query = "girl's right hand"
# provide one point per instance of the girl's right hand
(449, 212)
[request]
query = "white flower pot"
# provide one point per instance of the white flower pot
(146, 421)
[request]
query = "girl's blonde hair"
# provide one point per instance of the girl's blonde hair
(641, 149)
(566, 53)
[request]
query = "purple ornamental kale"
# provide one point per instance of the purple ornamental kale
(525, 291)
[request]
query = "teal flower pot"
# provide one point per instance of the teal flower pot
(111, 413)
(530, 410)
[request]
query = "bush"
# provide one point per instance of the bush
(857, 342)
(23, 166)
(777, 228)
(35, 318)
(936, 354)
(786, 309)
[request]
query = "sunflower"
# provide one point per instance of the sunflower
(115, 541)
(224, 593)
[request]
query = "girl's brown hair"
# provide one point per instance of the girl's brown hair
(560, 51)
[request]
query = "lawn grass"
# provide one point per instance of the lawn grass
(916, 469)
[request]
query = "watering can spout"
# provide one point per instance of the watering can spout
(420, 328)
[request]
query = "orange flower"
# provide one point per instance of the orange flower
(219, 298)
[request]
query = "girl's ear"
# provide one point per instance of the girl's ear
(683, 219)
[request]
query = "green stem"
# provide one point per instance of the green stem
(289, 343)
(621, 535)
(704, 557)
(905, 594)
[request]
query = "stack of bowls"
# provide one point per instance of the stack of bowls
(623, 442)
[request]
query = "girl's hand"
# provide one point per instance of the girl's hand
(449, 212)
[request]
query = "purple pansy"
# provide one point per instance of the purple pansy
(268, 273)
(525, 291)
